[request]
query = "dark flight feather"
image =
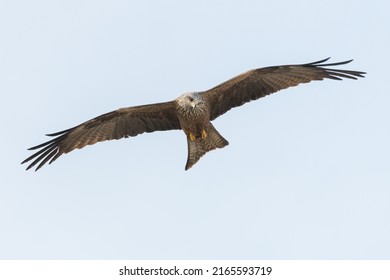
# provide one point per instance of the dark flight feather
(261, 82)
(114, 125)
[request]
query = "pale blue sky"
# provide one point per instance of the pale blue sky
(306, 174)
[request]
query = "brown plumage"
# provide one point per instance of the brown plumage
(191, 112)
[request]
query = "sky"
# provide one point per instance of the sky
(306, 174)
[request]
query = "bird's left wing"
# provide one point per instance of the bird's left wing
(117, 124)
(258, 83)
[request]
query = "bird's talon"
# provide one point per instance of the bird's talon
(204, 134)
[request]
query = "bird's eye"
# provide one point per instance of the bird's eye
(190, 98)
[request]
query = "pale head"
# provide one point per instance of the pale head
(190, 100)
(191, 103)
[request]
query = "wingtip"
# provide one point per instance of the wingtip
(337, 63)
(319, 61)
(28, 167)
(322, 62)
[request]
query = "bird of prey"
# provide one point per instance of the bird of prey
(192, 112)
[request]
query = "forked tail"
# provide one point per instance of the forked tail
(198, 147)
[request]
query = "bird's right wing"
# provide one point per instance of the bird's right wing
(258, 83)
(117, 124)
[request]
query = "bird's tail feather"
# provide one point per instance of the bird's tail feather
(200, 146)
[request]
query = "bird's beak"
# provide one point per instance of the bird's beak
(193, 104)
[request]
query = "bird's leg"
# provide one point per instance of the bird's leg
(192, 136)
(204, 134)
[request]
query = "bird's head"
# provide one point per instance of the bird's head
(190, 101)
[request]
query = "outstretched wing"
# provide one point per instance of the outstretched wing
(114, 125)
(258, 83)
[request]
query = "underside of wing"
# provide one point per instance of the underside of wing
(114, 125)
(258, 83)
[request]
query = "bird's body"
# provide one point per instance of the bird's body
(191, 112)
(194, 118)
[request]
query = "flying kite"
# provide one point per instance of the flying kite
(192, 112)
